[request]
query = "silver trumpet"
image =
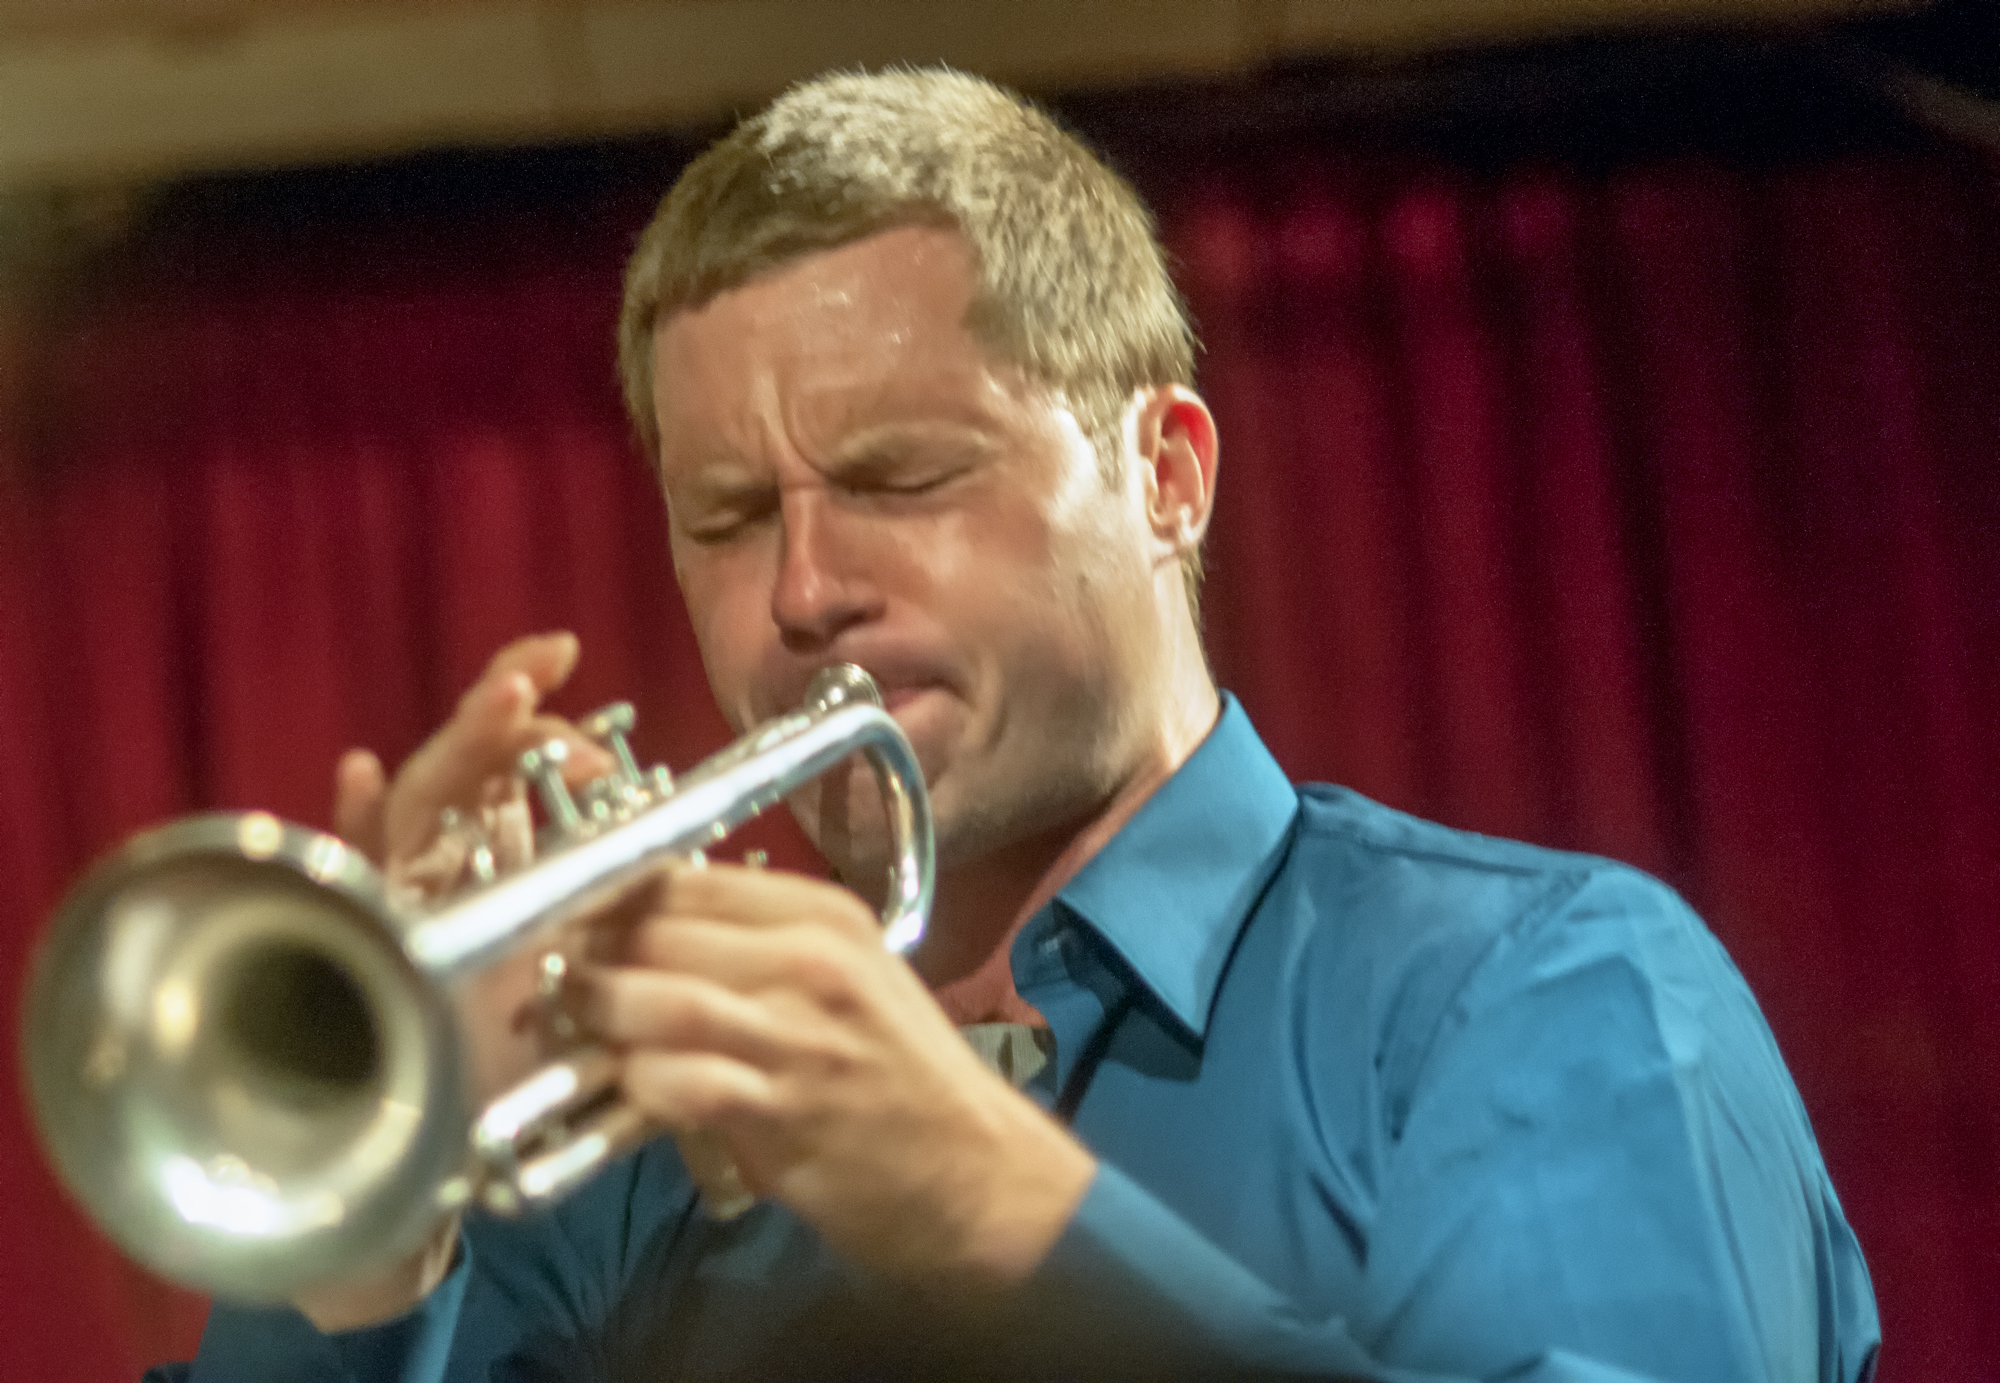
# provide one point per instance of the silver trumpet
(246, 1061)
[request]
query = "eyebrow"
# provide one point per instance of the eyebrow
(726, 477)
(721, 476)
(875, 450)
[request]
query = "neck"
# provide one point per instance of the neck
(982, 905)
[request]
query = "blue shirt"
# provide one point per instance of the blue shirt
(1372, 1097)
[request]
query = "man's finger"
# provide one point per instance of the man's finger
(469, 762)
(546, 660)
(481, 740)
(693, 1090)
(763, 898)
(803, 956)
(360, 796)
(452, 767)
(651, 1008)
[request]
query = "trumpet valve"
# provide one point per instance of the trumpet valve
(543, 767)
(611, 726)
(471, 835)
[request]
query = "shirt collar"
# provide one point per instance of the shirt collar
(1172, 889)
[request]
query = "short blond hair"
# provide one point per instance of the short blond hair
(1073, 284)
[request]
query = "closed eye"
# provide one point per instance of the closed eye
(882, 470)
(921, 483)
(725, 521)
(909, 470)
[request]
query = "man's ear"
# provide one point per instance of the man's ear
(1174, 435)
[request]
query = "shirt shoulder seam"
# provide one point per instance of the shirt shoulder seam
(1560, 864)
(1561, 890)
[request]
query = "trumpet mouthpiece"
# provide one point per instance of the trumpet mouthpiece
(841, 684)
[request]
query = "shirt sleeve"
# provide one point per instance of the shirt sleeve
(245, 1344)
(1603, 1173)
(1603, 1151)
(521, 1295)
(1131, 1290)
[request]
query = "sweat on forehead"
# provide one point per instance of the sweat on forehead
(864, 339)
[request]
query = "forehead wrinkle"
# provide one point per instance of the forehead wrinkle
(729, 449)
(836, 421)
(867, 361)
(791, 439)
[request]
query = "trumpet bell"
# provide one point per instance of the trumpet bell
(238, 1071)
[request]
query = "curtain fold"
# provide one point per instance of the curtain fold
(1649, 511)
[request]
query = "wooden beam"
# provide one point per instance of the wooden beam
(142, 89)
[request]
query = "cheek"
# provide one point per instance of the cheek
(1030, 599)
(1080, 564)
(978, 571)
(1092, 620)
(730, 612)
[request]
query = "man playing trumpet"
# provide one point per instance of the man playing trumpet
(1294, 1084)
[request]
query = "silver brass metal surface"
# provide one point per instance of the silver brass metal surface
(246, 1061)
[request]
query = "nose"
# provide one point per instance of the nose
(822, 588)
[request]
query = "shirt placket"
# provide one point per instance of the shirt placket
(1057, 971)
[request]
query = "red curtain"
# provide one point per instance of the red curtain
(1650, 512)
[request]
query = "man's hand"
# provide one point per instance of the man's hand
(466, 766)
(763, 1006)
